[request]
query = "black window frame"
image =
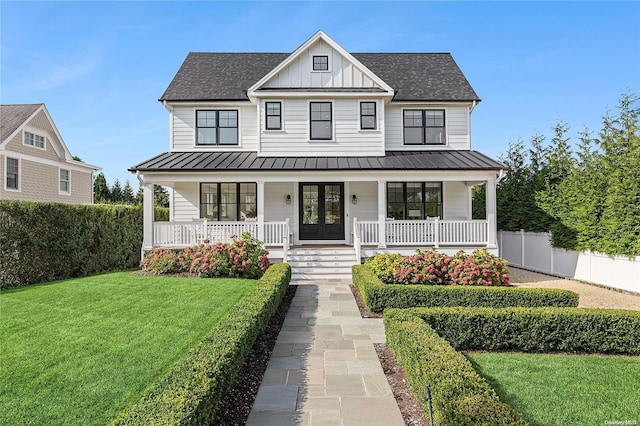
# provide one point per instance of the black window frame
(218, 127)
(238, 202)
(267, 115)
(424, 126)
(375, 115)
(405, 202)
(311, 121)
(322, 64)
(16, 174)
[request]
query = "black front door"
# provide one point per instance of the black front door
(321, 211)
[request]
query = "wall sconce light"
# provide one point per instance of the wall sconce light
(287, 199)
(354, 199)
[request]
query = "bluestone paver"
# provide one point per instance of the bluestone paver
(324, 369)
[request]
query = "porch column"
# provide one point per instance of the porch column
(260, 206)
(148, 216)
(382, 213)
(491, 209)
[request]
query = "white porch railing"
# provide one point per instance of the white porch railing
(183, 234)
(432, 232)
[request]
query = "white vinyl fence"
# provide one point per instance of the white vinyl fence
(533, 251)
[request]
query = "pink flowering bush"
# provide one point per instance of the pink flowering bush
(434, 268)
(241, 258)
(161, 261)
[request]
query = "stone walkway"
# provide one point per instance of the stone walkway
(324, 369)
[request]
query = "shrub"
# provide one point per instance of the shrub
(434, 268)
(190, 392)
(459, 395)
(537, 329)
(161, 261)
(378, 296)
(51, 241)
(242, 258)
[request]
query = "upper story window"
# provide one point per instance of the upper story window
(321, 121)
(424, 127)
(368, 115)
(34, 140)
(274, 115)
(228, 201)
(12, 174)
(217, 127)
(65, 181)
(414, 200)
(321, 63)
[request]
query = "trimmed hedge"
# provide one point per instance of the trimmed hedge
(537, 329)
(191, 391)
(378, 296)
(50, 241)
(459, 395)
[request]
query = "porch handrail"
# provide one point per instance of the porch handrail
(285, 241)
(356, 239)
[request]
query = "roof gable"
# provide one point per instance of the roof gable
(13, 117)
(297, 70)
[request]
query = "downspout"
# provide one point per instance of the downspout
(473, 105)
(141, 179)
(501, 175)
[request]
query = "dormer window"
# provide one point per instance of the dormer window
(34, 140)
(217, 127)
(321, 63)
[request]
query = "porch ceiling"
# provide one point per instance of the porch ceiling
(249, 161)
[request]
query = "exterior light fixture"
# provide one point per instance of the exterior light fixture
(354, 199)
(287, 199)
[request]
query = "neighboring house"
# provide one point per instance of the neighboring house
(35, 163)
(321, 146)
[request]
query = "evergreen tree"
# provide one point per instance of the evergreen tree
(127, 193)
(116, 192)
(161, 196)
(101, 192)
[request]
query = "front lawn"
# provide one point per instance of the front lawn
(80, 351)
(553, 389)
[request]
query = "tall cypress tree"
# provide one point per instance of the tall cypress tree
(101, 192)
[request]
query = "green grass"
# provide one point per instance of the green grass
(554, 389)
(79, 351)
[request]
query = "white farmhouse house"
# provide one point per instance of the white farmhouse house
(321, 152)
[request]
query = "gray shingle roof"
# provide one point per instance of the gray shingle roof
(249, 161)
(227, 76)
(13, 116)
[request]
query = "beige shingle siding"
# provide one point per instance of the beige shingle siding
(41, 183)
(16, 145)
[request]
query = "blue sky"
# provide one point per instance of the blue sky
(101, 66)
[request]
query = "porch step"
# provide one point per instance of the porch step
(325, 262)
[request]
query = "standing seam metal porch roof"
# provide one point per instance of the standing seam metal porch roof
(225, 161)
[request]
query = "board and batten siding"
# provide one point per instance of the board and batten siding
(183, 125)
(299, 73)
(456, 125)
(348, 139)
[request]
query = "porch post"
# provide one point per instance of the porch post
(260, 206)
(382, 214)
(148, 216)
(490, 201)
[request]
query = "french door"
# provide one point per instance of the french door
(321, 211)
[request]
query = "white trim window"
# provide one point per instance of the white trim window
(424, 126)
(216, 127)
(12, 174)
(321, 121)
(273, 115)
(368, 116)
(34, 140)
(65, 181)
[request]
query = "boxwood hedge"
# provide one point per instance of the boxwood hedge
(191, 391)
(537, 329)
(378, 296)
(459, 395)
